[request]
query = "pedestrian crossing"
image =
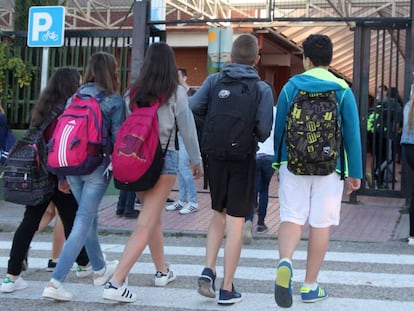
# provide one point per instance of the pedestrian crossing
(355, 280)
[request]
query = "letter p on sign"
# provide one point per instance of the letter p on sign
(46, 26)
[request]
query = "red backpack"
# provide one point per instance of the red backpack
(79, 138)
(137, 158)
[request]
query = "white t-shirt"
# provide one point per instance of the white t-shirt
(267, 147)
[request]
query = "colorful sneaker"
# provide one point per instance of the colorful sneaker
(189, 208)
(283, 284)
(9, 285)
(51, 265)
(162, 279)
(229, 297)
(101, 279)
(122, 294)
(206, 286)
(83, 271)
(247, 232)
(176, 206)
(309, 295)
(60, 293)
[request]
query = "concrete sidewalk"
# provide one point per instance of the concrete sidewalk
(371, 219)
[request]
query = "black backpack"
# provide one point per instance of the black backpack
(228, 131)
(26, 179)
(313, 134)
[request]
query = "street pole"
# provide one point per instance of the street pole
(140, 35)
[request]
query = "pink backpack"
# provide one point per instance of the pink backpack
(137, 158)
(78, 140)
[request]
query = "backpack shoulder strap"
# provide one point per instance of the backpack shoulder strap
(54, 113)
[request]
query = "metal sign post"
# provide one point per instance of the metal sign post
(46, 29)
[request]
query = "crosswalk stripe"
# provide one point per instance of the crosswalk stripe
(251, 253)
(188, 299)
(345, 270)
(376, 279)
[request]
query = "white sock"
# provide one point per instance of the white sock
(56, 283)
(102, 271)
(312, 286)
(114, 283)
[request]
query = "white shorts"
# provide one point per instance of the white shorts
(316, 198)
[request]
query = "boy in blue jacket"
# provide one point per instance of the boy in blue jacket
(320, 199)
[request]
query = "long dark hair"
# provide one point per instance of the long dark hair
(102, 69)
(63, 83)
(158, 77)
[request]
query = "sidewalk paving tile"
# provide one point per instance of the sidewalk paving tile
(371, 219)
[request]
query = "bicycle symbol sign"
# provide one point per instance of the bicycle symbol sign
(46, 26)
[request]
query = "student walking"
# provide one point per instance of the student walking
(187, 200)
(263, 176)
(126, 205)
(7, 138)
(53, 98)
(407, 143)
(158, 78)
(100, 76)
(308, 192)
(231, 163)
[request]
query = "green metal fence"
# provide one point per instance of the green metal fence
(79, 45)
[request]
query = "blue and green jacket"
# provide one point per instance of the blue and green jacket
(321, 80)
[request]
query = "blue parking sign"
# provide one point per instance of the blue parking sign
(46, 26)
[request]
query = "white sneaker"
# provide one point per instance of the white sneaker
(9, 285)
(83, 271)
(122, 294)
(162, 279)
(60, 293)
(110, 268)
(189, 208)
(175, 206)
(411, 240)
(247, 232)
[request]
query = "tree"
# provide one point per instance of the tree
(21, 10)
(13, 64)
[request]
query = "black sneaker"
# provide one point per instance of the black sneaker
(229, 297)
(119, 212)
(206, 286)
(51, 265)
(261, 228)
(132, 214)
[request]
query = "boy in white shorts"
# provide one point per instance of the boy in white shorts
(306, 195)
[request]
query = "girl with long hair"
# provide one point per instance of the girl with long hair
(100, 75)
(59, 88)
(158, 78)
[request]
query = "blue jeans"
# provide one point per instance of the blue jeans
(88, 191)
(126, 201)
(264, 173)
(186, 183)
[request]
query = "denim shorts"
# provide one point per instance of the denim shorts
(170, 163)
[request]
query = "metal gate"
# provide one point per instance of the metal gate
(381, 88)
